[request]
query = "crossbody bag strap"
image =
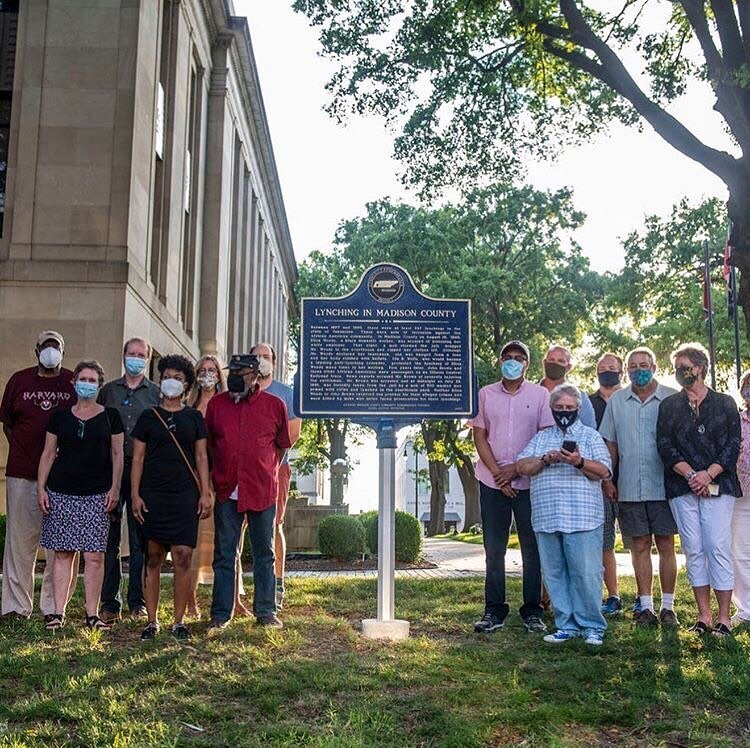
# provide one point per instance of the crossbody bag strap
(180, 449)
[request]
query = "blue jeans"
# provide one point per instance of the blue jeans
(228, 530)
(111, 599)
(497, 511)
(572, 568)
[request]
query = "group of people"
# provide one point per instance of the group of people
(189, 462)
(566, 466)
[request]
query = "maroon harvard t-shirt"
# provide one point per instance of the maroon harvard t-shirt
(28, 403)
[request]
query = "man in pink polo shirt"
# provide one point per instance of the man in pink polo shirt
(511, 412)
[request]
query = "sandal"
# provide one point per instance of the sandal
(721, 630)
(53, 621)
(699, 628)
(94, 622)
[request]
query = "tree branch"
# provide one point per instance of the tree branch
(696, 15)
(729, 33)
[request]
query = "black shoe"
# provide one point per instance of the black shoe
(646, 619)
(180, 632)
(534, 625)
(150, 632)
(488, 623)
(270, 621)
(668, 618)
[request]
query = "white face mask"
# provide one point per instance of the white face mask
(50, 358)
(208, 381)
(265, 367)
(172, 388)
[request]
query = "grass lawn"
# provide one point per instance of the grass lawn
(318, 683)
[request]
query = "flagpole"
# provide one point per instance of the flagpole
(736, 320)
(709, 312)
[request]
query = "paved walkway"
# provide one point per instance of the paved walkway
(457, 560)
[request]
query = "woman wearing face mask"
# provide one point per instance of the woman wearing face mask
(210, 380)
(567, 464)
(78, 484)
(698, 436)
(170, 488)
(741, 516)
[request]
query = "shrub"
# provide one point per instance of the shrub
(368, 519)
(408, 536)
(341, 536)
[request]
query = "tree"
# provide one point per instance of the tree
(476, 84)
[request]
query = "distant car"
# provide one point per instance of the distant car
(385, 284)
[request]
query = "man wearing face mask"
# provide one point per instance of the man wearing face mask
(609, 374)
(557, 363)
(629, 427)
(511, 412)
(30, 399)
(698, 434)
(130, 395)
(248, 435)
(268, 384)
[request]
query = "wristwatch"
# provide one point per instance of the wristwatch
(691, 474)
(579, 466)
(543, 458)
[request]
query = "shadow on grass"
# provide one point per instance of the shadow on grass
(318, 683)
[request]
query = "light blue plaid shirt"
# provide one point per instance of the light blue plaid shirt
(563, 499)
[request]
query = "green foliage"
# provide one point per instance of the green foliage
(341, 536)
(408, 531)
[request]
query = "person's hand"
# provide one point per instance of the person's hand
(509, 491)
(205, 506)
(552, 458)
(138, 507)
(505, 474)
(570, 458)
(699, 483)
(609, 489)
(111, 499)
(43, 500)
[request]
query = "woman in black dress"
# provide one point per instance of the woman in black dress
(78, 484)
(170, 488)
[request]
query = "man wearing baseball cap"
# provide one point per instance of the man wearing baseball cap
(31, 397)
(511, 412)
(248, 434)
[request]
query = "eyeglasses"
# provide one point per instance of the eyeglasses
(171, 425)
(518, 357)
(128, 399)
(81, 428)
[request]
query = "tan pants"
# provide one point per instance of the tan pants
(24, 525)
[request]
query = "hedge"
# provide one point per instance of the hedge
(341, 536)
(408, 535)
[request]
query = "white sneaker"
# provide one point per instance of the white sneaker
(559, 637)
(594, 637)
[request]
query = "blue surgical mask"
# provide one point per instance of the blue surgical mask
(134, 365)
(512, 369)
(86, 390)
(641, 377)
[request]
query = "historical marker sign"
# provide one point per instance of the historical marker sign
(386, 350)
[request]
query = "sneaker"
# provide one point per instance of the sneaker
(594, 637)
(271, 621)
(668, 618)
(646, 619)
(150, 632)
(180, 632)
(279, 598)
(534, 625)
(560, 636)
(109, 616)
(612, 606)
(636, 607)
(488, 623)
(216, 627)
(139, 612)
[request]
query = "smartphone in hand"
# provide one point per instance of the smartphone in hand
(569, 446)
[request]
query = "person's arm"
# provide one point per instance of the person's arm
(6, 415)
(206, 502)
(609, 489)
(116, 450)
(45, 465)
(137, 504)
(592, 469)
(532, 465)
(485, 452)
(295, 426)
(588, 416)
(729, 453)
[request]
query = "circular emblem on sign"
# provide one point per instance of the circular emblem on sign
(385, 285)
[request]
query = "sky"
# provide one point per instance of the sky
(329, 172)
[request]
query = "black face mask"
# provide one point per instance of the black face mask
(554, 371)
(609, 378)
(236, 383)
(685, 376)
(564, 418)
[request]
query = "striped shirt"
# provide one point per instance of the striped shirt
(563, 499)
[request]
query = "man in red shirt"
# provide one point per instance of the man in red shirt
(31, 397)
(248, 434)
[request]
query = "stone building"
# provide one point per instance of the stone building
(139, 190)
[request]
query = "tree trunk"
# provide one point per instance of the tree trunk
(472, 515)
(738, 210)
(337, 440)
(438, 472)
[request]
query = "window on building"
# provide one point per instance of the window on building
(8, 36)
